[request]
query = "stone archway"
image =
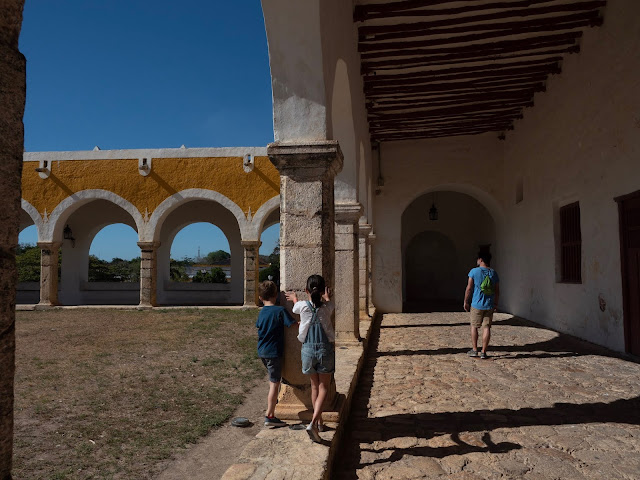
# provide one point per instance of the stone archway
(438, 254)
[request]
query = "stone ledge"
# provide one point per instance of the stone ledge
(286, 453)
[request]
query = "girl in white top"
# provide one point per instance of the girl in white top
(317, 335)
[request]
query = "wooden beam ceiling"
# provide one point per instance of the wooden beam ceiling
(435, 68)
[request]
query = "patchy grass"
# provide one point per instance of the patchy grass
(113, 394)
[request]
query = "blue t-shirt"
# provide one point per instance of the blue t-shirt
(271, 322)
(480, 300)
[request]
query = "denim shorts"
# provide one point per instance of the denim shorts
(318, 358)
(274, 367)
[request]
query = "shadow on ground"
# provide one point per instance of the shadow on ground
(362, 430)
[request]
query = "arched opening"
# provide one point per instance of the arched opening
(438, 253)
(100, 256)
(200, 253)
(270, 249)
(28, 262)
(200, 257)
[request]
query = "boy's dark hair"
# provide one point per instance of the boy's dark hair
(267, 290)
(316, 287)
(485, 256)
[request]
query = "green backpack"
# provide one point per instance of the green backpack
(487, 287)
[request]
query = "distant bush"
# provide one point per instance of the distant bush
(215, 275)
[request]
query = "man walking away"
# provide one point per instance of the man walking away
(481, 299)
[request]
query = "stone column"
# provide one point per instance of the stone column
(307, 237)
(251, 269)
(13, 88)
(48, 274)
(363, 252)
(372, 238)
(347, 273)
(148, 273)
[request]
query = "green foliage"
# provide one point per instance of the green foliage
(178, 269)
(28, 261)
(117, 270)
(216, 275)
(217, 257)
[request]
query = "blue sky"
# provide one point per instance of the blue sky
(141, 74)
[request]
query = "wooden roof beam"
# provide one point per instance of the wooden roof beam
(493, 34)
(509, 9)
(368, 67)
(588, 18)
(512, 45)
(418, 78)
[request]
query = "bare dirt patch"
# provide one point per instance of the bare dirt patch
(116, 394)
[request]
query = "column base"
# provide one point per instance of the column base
(347, 339)
(300, 412)
(144, 307)
(46, 306)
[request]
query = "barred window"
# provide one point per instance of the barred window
(570, 244)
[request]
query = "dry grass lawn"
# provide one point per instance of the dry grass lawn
(113, 394)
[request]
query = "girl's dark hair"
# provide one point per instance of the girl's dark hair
(316, 287)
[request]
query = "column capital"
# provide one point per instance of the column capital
(148, 246)
(308, 160)
(348, 212)
(49, 245)
(364, 230)
(251, 243)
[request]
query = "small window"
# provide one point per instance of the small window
(570, 244)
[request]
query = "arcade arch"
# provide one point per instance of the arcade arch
(438, 254)
(179, 293)
(85, 222)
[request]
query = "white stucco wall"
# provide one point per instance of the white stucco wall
(297, 80)
(580, 142)
(470, 165)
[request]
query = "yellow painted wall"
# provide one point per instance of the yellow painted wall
(168, 176)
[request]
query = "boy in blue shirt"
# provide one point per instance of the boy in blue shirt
(270, 324)
(484, 283)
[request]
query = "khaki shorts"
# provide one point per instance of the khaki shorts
(481, 318)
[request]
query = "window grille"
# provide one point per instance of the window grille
(570, 244)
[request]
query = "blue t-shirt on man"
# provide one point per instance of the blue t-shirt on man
(271, 322)
(481, 301)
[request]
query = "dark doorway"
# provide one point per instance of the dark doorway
(629, 211)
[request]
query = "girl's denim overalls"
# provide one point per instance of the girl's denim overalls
(318, 355)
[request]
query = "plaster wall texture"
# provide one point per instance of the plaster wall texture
(580, 142)
(437, 255)
(295, 58)
(472, 165)
(75, 172)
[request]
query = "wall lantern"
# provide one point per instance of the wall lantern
(67, 234)
(433, 211)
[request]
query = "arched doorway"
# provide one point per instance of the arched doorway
(438, 253)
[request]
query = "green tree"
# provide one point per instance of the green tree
(99, 270)
(217, 257)
(216, 275)
(178, 269)
(28, 262)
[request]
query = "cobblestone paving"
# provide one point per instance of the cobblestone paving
(544, 406)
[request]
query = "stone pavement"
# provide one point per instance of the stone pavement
(544, 406)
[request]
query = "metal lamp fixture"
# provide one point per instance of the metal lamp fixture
(67, 234)
(433, 211)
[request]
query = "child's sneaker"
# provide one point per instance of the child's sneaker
(472, 353)
(321, 427)
(312, 431)
(273, 422)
